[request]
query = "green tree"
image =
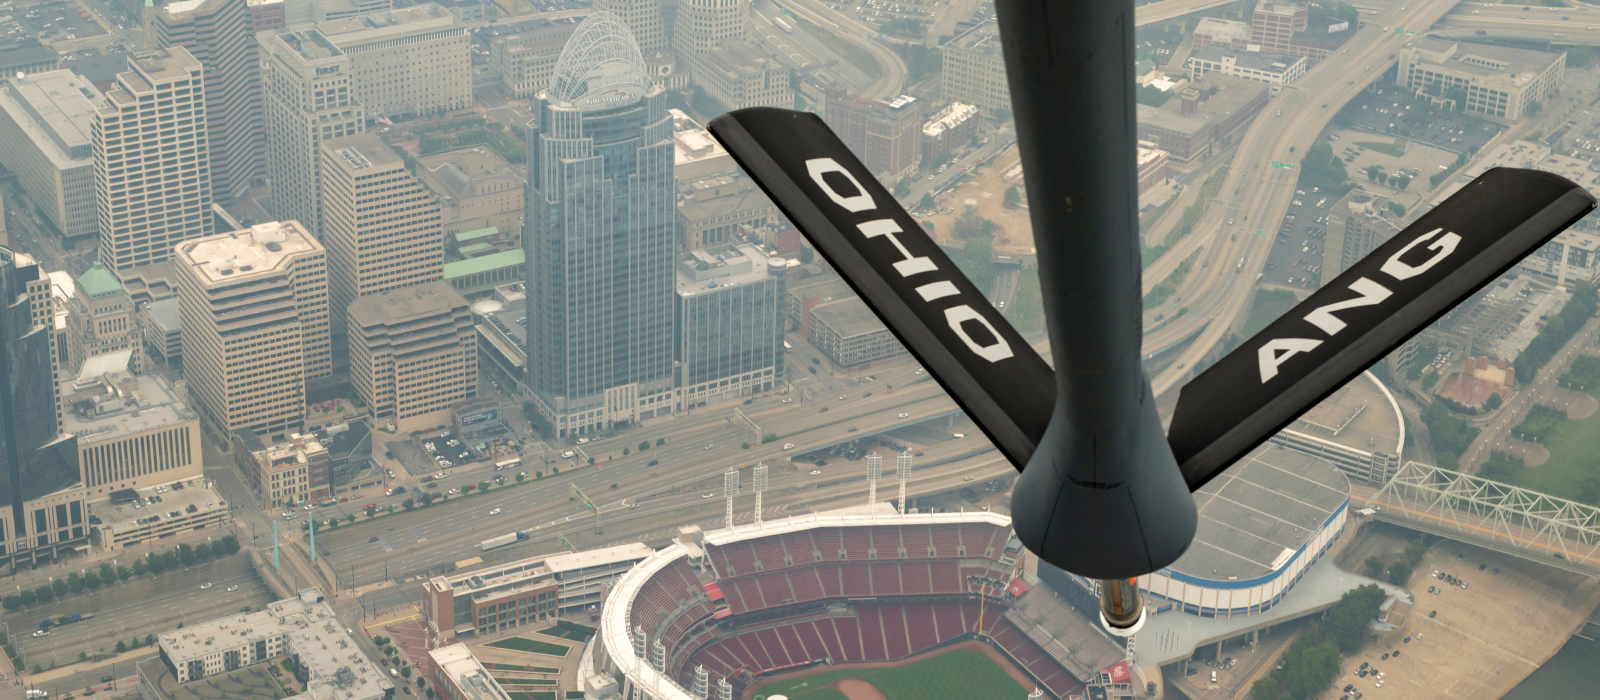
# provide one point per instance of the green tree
(1264, 688)
(405, 671)
(75, 582)
(660, 441)
(1374, 567)
(644, 445)
(408, 504)
(107, 572)
(976, 261)
(744, 445)
(483, 486)
(625, 452)
(1493, 402)
(1415, 551)
(1321, 169)
(1404, 182)
(1533, 109)
(121, 646)
(92, 580)
(27, 598)
(202, 551)
(351, 517)
(902, 188)
(520, 477)
(927, 203)
(11, 602)
(427, 500)
(1012, 197)
(1373, 172)
(140, 568)
(1399, 573)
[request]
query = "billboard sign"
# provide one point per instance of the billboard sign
(1337, 27)
(480, 416)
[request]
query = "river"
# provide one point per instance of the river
(1576, 666)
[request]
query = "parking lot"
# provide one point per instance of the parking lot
(1389, 110)
(884, 11)
(49, 22)
(1296, 258)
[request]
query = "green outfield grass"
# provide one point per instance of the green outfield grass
(962, 674)
(531, 646)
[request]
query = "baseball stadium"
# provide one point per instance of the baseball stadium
(847, 605)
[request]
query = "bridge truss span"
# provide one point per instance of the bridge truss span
(1562, 533)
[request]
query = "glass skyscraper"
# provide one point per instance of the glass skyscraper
(35, 461)
(600, 237)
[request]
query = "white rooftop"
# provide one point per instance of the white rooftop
(259, 250)
(471, 677)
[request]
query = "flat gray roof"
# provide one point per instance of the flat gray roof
(1171, 121)
(1268, 503)
(150, 404)
(361, 151)
(56, 110)
(406, 303)
(848, 317)
(1253, 60)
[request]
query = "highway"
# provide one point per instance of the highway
(1558, 25)
(1172, 9)
(1218, 288)
(892, 80)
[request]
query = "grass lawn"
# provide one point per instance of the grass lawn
(525, 681)
(1387, 149)
(564, 633)
(531, 646)
(1573, 446)
(527, 669)
(961, 674)
(855, 55)
(536, 695)
(1269, 305)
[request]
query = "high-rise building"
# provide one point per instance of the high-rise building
(382, 229)
(220, 35)
(41, 499)
(154, 183)
(413, 354)
(415, 60)
(731, 312)
(738, 75)
(886, 136)
(974, 70)
(1357, 225)
(309, 99)
(100, 321)
(702, 25)
(266, 15)
(643, 18)
(254, 306)
(45, 125)
(525, 53)
(599, 237)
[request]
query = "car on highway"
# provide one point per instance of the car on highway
(815, 472)
(288, 514)
(372, 539)
(205, 585)
(452, 492)
(919, 372)
(708, 495)
(824, 409)
(843, 396)
(968, 477)
(653, 462)
(788, 399)
(788, 446)
(583, 441)
(41, 633)
(903, 415)
(852, 429)
(866, 395)
(232, 588)
(710, 445)
(494, 512)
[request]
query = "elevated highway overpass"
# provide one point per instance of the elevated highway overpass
(1578, 25)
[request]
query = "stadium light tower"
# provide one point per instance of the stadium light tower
(874, 472)
(730, 486)
(702, 682)
(724, 689)
(1037, 694)
(760, 476)
(902, 471)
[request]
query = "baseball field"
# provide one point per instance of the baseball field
(956, 674)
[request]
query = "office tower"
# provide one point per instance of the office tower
(886, 136)
(525, 53)
(254, 309)
(382, 229)
(738, 75)
(132, 429)
(730, 308)
(39, 508)
(309, 99)
(643, 18)
(100, 321)
(1357, 224)
(45, 125)
(266, 15)
(416, 60)
(975, 71)
(413, 354)
(704, 24)
(219, 34)
(598, 236)
(154, 183)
